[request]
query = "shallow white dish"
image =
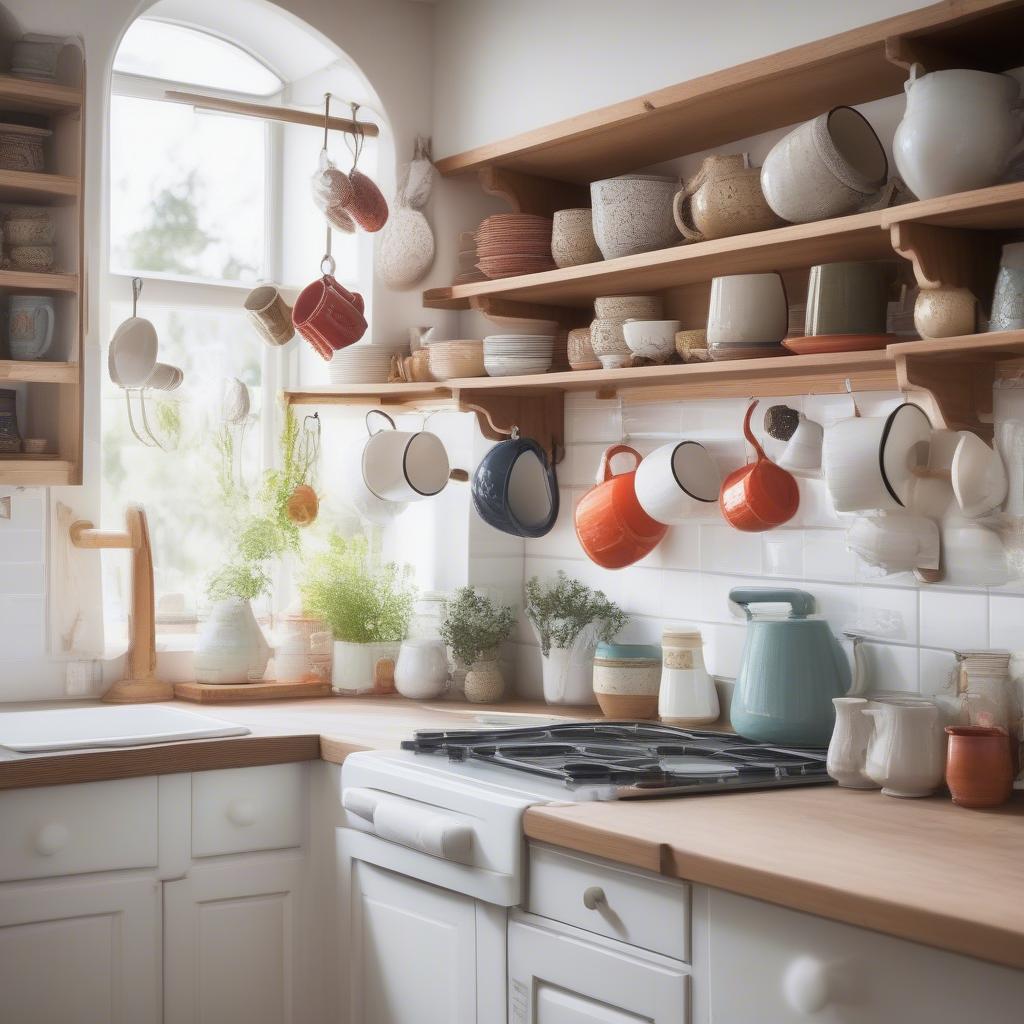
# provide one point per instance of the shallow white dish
(75, 728)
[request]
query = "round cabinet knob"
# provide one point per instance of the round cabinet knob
(593, 897)
(242, 812)
(51, 839)
(806, 985)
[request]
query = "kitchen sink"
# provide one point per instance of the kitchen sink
(76, 728)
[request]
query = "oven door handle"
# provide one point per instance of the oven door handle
(410, 824)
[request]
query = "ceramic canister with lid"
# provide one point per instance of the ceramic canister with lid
(627, 678)
(688, 695)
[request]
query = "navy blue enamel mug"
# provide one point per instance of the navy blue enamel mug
(515, 489)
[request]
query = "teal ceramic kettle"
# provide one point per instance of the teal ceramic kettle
(792, 668)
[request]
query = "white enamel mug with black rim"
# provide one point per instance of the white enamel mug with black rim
(402, 465)
(677, 482)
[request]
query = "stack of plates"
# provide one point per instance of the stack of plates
(514, 355)
(509, 244)
(467, 272)
(360, 364)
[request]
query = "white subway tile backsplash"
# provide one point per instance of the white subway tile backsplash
(891, 668)
(590, 420)
(580, 465)
(782, 553)
(936, 672)
(724, 549)
(887, 613)
(826, 556)
(954, 619)
(1006, 622)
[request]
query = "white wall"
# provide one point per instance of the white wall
(504, 68)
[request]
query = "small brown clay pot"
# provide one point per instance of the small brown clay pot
(979, 768)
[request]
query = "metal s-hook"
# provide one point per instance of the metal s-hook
(136, 292)
(327, 118)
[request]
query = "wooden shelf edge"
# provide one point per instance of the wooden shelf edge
(29, 472)
(31, 183)
(39, 282)
(48, 96)
(38, 371)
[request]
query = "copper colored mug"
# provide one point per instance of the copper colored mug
(760, 496)
(979, 765)
(613, 529)
(329, 316)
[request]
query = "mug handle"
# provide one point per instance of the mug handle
(682, 216)
(47, 311)
(604, 472)
(749, 434)
(378, 412)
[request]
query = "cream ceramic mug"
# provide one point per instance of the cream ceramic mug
(400, 465)
(747, 309)
(31, 320)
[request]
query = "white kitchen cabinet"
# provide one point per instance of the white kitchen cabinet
(233, 944)
(417, 952)
(80, 951)
(558, 975)
(769, 965)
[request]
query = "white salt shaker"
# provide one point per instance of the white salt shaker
(687, 695)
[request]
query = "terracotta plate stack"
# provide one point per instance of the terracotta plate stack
(510, 244)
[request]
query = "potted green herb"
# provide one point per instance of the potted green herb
(231, 647)
(570, 619)
(474, 628)
(367, 605)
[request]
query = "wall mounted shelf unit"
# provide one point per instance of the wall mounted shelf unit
(950, 240)
(49, 401)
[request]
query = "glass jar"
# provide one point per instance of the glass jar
(688, 695)
(427, 616)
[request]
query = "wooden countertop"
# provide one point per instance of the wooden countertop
(924, 870)
(329, 728)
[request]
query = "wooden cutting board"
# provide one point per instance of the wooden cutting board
(236, 693)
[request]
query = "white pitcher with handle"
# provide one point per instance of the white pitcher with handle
(906, 753)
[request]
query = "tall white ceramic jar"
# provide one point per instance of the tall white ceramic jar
(687, 695)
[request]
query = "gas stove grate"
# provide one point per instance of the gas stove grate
(637, 758)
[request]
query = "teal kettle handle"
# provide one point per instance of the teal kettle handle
(801, 603)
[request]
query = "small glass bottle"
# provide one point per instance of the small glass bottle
(688, 695)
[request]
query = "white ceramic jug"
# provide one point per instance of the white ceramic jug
(959, 130)
(847, 751)
(231, 647)
(906, 754)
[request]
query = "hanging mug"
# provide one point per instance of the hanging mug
(515, 489)
(328, 315)
(613, 529)
(400, 465)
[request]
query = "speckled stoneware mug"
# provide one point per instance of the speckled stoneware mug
(627, 678)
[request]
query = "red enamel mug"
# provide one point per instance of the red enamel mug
(329, 316)
(613, 529)
(760, 496)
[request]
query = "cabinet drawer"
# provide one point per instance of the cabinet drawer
(797, 967)
(69, 830)
(633, 907)
(245, 809)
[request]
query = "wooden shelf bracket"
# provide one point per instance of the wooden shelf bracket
(527, 194)
(957, 395)
(538, 415)
(949, 257)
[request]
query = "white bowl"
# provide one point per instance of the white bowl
(652, 339)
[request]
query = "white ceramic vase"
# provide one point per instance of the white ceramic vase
(848, 749)
(568, 672)
(363, 668)
(231, 647)
(959, 130)
(421, 672)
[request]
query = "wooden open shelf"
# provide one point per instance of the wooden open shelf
(28, 95)
(50, 401)
(785, 88)
(38, 371)
(33, 187)
(859, 236)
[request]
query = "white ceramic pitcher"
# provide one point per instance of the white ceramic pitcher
(959, 130)
(906, 753)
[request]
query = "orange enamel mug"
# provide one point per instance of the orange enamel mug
(760, 496)
(613, 530)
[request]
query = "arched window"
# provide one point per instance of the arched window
(203, 206)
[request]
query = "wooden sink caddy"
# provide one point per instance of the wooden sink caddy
(952, 240)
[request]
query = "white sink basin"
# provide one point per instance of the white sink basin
(74, 728)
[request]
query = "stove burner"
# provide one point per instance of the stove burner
(637, 758)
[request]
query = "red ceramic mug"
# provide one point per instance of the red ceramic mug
(329, 316)
(613, 529)
(760, 496)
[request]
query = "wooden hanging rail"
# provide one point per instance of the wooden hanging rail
(290, 115)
